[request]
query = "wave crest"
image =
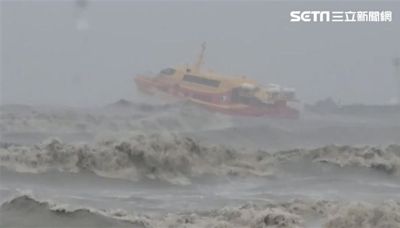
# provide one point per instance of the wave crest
(292, 214)
(38, 213)
(177, 159)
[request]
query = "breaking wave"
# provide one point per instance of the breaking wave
(49, 214)
(292, 214)
(353, 215)
(159, 157)
(386, 160)
(177, 159)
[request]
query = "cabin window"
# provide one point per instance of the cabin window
(168, 71)
(200, 80)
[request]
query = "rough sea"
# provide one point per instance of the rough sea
(175, 165)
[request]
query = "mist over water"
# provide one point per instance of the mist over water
(81, 147)
(96, 51)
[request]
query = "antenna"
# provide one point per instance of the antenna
(200, 58)
(396, 64)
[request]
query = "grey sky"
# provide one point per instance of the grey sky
(46, 60)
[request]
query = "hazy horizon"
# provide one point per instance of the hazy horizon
(46, 60)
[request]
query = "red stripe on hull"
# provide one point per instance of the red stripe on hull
(268, 111)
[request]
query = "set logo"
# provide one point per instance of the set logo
(341, 16)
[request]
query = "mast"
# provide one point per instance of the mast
(200, 58)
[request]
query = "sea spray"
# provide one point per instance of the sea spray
(289, 214)
(178, 159)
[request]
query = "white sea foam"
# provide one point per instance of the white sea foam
(291, 214)
(177, 159)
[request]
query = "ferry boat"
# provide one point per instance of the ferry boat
(226, 94)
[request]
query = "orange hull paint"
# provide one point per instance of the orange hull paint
(213, 102)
